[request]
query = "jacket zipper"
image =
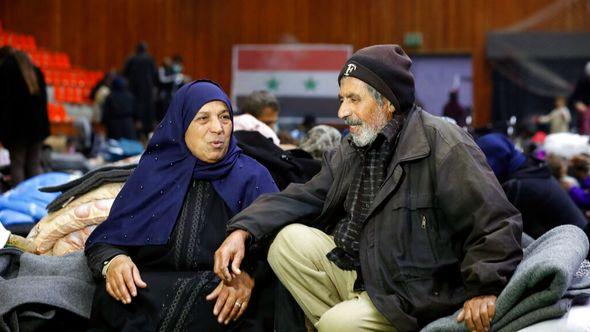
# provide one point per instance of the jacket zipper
(423, 225)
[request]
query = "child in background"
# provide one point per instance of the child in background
(559, 118)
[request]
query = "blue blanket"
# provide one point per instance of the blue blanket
(25, 203)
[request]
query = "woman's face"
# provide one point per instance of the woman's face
(209, 133)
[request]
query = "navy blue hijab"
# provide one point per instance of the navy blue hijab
(502, 156)
(146, 209)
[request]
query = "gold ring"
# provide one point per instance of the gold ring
(238, 304)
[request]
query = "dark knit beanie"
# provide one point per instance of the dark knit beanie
(387, 69)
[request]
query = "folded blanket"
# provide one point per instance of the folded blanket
(543, 286)
(29, 283)
(52, 234)
(86, 183)
(71, 184)
(25, 204)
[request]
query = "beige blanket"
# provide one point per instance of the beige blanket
(66, 230)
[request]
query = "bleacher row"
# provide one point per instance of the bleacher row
(69, 87)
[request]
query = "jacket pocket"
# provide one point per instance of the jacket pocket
(413, 234)
(426, 227)
(422, 221)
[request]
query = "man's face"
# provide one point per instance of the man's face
(269, 116)
(360, 111)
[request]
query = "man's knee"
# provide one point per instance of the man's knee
(286, 241)
(354, 315)
(298, 241)
(339, 320)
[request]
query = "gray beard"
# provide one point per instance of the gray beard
(367, 134)
(365, 137)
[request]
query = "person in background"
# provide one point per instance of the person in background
(260, 112)
(118, 115)
(579, 190)
(170, 79)
(264, 106)
(320, 139)
(297, 134)
(530, 187)
(559, 118)
(141, 74)
(165, 86)
(178, 66)
(580, 166)
(558, 168)
(580, 100)
(99, 94)
(454, 110)
(24, 122)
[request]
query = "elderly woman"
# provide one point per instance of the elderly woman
(154, 253)
(320, 139)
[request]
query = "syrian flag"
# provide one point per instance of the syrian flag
(303, 77)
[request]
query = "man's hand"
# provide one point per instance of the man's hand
(232, 298)
(232, 252)
(478, 312)
(122, 277)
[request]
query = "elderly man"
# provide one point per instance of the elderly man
(404, 224)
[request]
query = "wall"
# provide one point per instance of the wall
(100, 34)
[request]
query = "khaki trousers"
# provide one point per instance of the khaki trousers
(322, 290)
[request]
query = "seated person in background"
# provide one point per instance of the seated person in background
(153, 256)
(579, 189)
(320, 139)
(405, 222)
(580, 166)
(557, 166)
(260, 112)
(529, 186)
(285, 166)
(118, 111)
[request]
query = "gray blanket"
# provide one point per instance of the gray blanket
(551, 274)
(31, 285)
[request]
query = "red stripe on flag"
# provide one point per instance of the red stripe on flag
(328, 60)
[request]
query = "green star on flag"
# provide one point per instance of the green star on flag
(272, 84)
(310, 84)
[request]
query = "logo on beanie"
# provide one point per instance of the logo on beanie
(351, 67)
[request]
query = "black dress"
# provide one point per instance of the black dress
(140, 71)
(23, 117)
(179, 275)
(117, 115)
